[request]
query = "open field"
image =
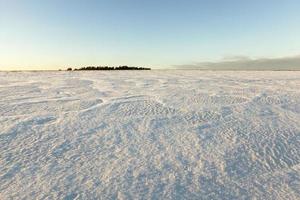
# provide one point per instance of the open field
(150, 135)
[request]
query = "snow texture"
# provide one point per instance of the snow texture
(150, 135)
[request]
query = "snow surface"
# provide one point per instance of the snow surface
(150, 135)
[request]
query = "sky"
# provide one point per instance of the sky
(56, 34)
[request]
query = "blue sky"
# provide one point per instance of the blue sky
(53, 34)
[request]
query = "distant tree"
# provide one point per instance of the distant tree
(124, 67)
(69, 69)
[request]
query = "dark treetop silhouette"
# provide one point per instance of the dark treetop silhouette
(111, 68)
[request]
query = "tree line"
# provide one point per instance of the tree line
(109, 68)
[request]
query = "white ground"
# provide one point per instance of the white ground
(150, 134)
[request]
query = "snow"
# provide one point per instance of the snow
(157, 134)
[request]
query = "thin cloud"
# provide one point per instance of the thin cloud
(245, 63)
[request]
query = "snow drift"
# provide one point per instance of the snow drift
(150, 135)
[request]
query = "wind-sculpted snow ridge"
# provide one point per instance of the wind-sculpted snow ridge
(150, 135)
